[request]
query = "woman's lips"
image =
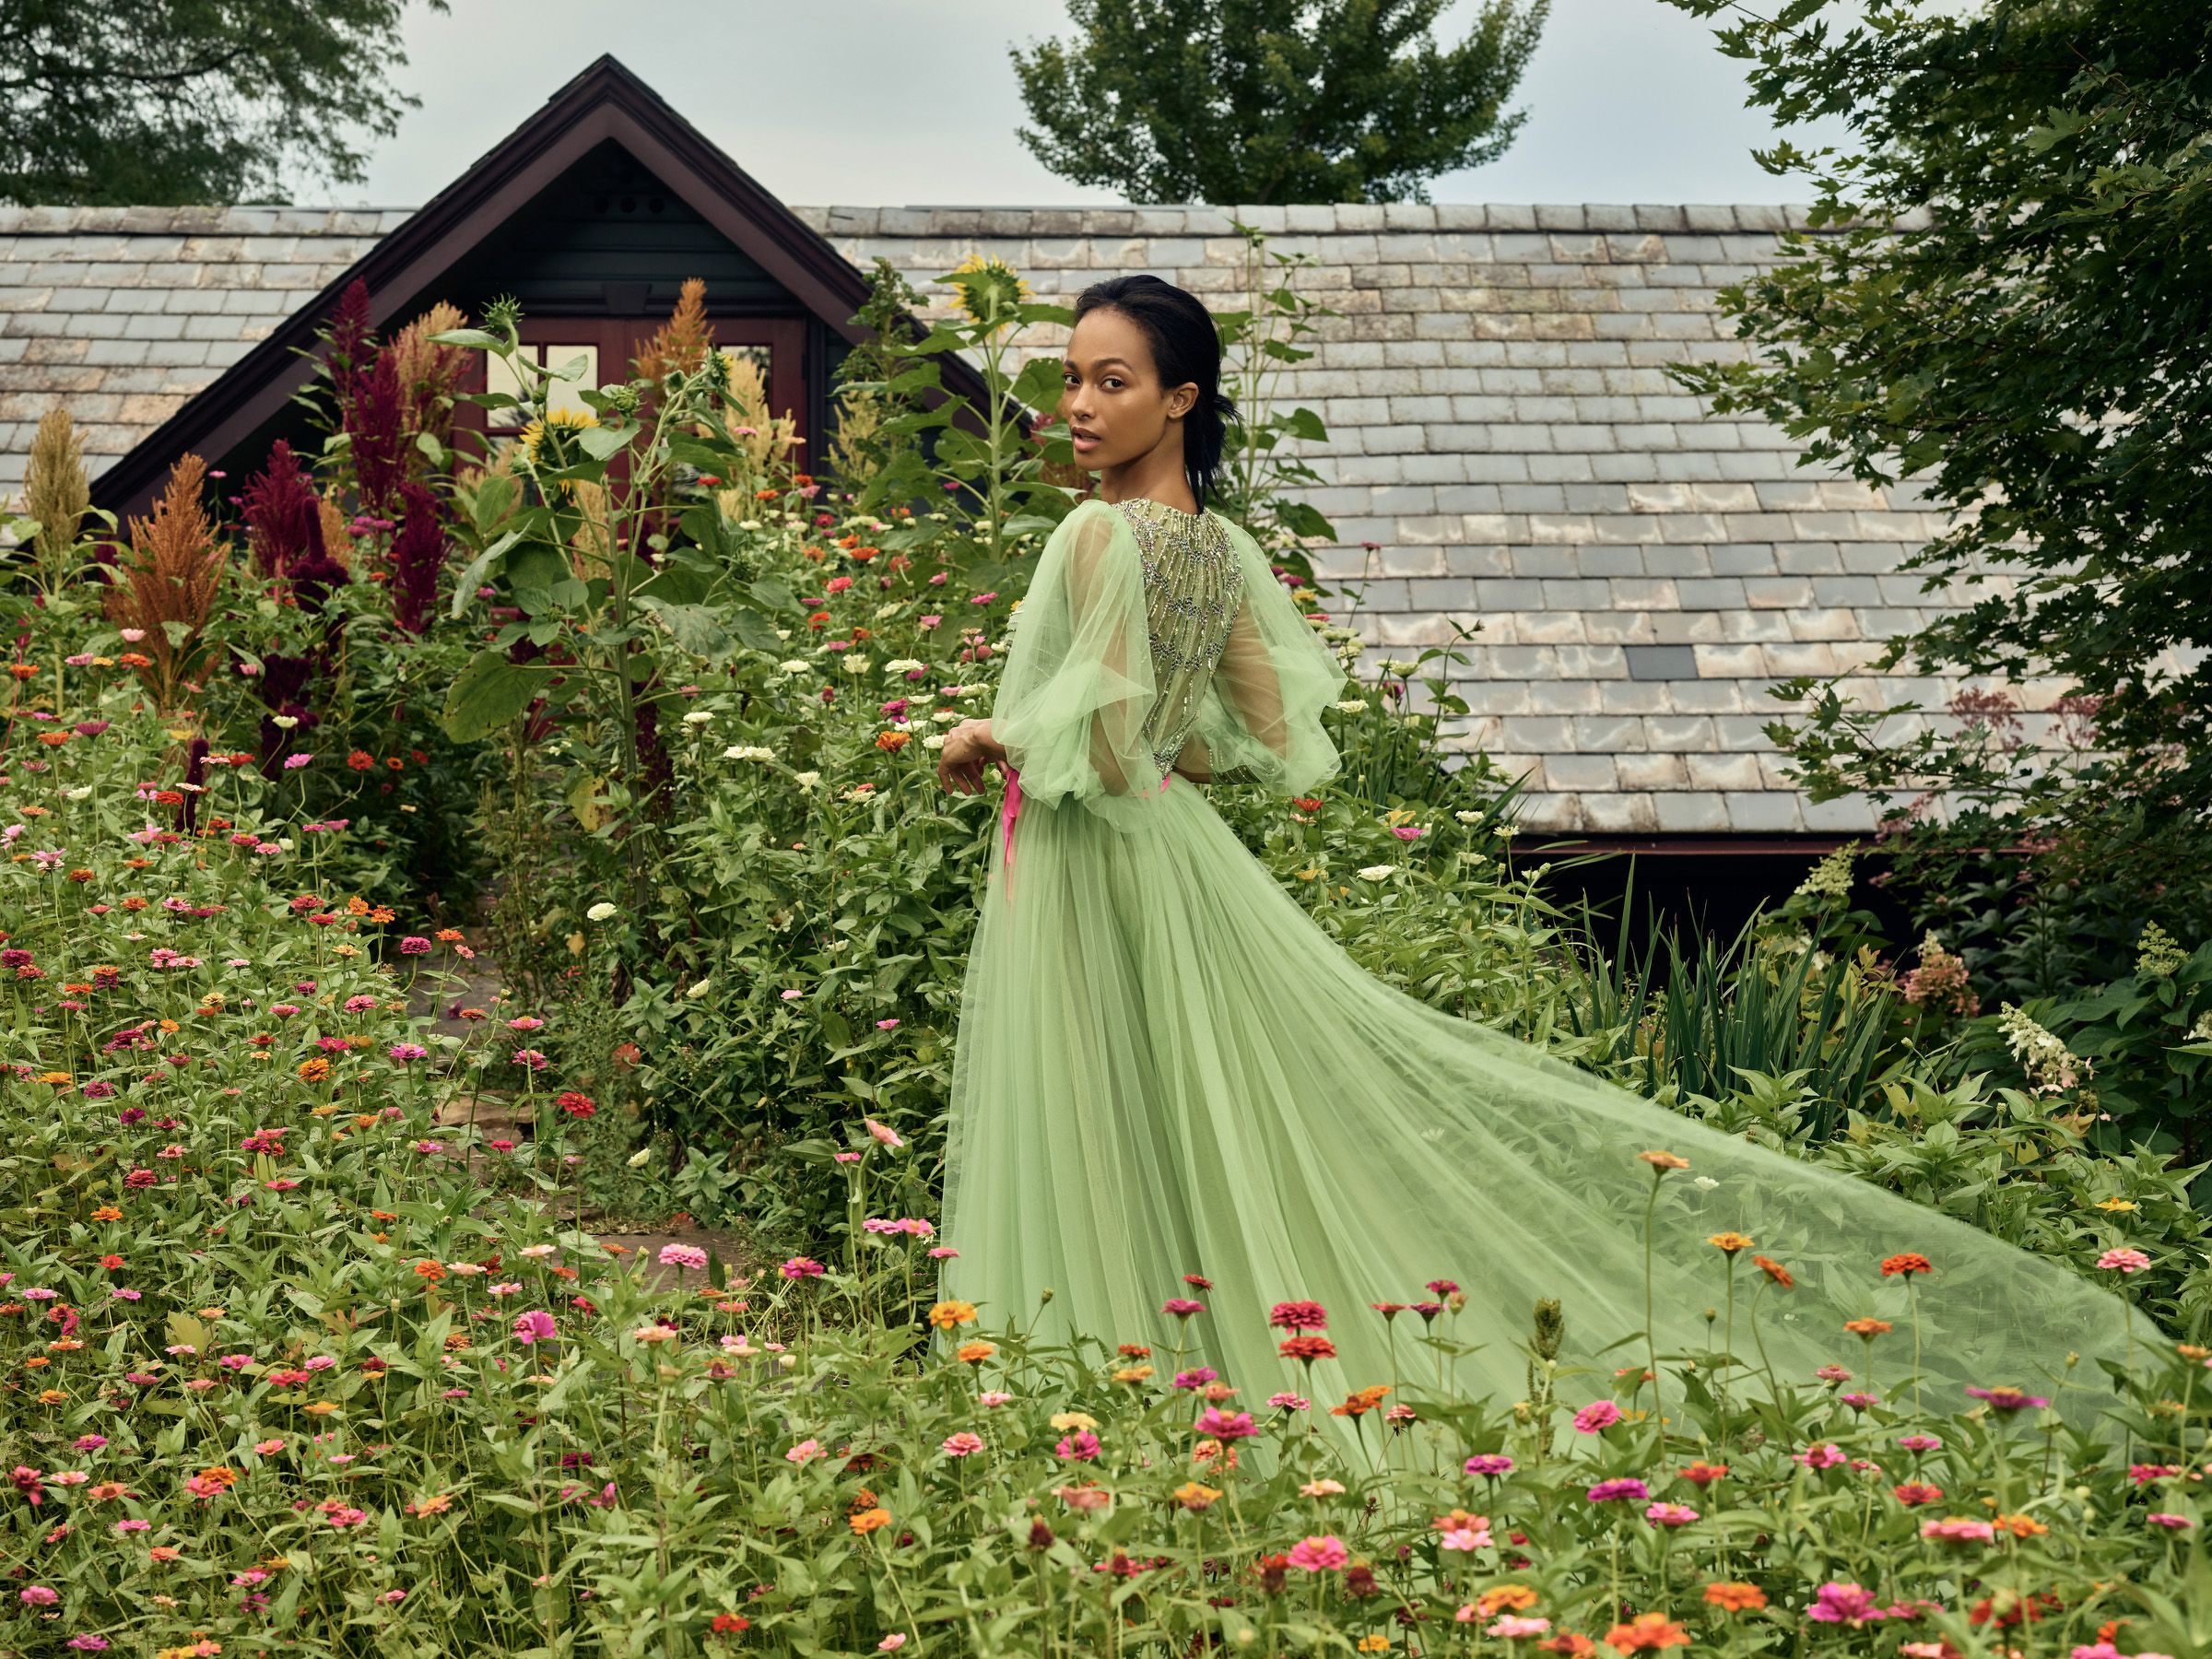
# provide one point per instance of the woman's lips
(1084, 440)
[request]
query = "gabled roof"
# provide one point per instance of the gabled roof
(404, 265)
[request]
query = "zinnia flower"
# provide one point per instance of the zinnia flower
(1321, 1552)
(1647, 1632)
(1838, 1603)
(1597, 1416)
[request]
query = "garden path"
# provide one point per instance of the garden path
(505, 1114)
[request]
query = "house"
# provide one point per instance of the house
(1501, 426)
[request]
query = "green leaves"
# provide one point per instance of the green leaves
(489, 692)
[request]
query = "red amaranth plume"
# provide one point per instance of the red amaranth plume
(376, 421)
(417, 555)
(284, 516)
(351, 343)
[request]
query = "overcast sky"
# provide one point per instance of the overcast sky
(871, 102)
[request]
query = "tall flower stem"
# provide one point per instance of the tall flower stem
(1651, 1338)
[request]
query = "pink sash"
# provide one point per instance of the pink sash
(1010, 809)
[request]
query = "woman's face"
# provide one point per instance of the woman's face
(1115, 408)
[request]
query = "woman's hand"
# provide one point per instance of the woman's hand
(962, 760)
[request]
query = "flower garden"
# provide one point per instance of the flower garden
(316, 1330)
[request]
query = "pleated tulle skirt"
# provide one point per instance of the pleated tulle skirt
(1166, 1067)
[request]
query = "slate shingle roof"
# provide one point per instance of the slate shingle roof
(1500, 419)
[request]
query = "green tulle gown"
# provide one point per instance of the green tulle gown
(1166, 1067)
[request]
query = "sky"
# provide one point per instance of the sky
(914, 103)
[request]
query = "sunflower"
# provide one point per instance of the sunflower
(989, 288)
(549, 441)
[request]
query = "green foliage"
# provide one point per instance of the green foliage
(114, 105)
(1258, 343)
(1274, 101)
(2007, 306)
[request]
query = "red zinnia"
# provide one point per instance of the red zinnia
(1909, 1262)
(1298, 1316)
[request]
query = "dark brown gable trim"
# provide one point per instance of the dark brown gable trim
(605, 101)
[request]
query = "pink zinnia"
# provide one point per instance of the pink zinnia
(1226, 1424)
(534, 1326)
(962, 1444)
(1595, 1417)
(1670, 1514)
(2172, 1523)
(1298, 1316)
(1958, 1529)
(1854, 1604)
(800, 1268)
(1323, 1552)
(683, 1255)
(1182, 1307)
(1513, 1625)
(1465, 1537)
(2124, 1261)
(1628, 1486)
(1487, 1463)
(1081, 1447)
(1825, 1456)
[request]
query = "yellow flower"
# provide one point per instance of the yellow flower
(550, 440)
(1194, 1497)
(947, 1315)
(989, 288)
(1132, 1373)
(1069, 1421)
(2115, 1204)
(1728, 1244)
(1664, 1160)
(321, 1408)
(1374, 1642)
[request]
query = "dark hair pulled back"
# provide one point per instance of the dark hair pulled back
(1186, 346)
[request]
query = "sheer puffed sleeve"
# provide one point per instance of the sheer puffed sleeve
(1077, 684)
(1260, 720)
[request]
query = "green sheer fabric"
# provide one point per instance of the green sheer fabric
(1165, 1066)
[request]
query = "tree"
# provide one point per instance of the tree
(191, 100)
(2011, 309)
(1273, 101)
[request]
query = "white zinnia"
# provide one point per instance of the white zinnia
(601, 911)
(699, 717)
(747, 751)
(1377, 872)
(796, 666)
(1351, 705)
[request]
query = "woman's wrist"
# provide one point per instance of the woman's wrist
(978, 733)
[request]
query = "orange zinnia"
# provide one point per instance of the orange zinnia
(1773, 1270)
(1734, 1597)
(973, 1351)
(1868, 1328)
(1728, 1244)
(1664, 1160)
(947, 1315)
(1647, 1632)
(1361, 1400)
(869, 1519)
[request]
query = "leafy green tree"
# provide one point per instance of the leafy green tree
(191, 100)
(1273, 101)
(2009, 308)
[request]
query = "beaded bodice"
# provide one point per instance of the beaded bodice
(1194, 584)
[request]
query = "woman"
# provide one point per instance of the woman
(1166, 1068)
